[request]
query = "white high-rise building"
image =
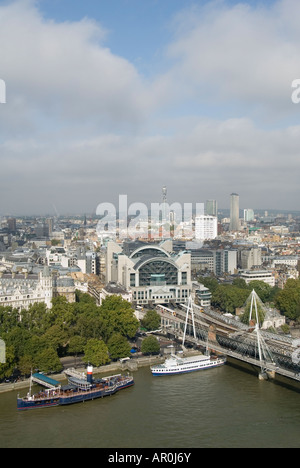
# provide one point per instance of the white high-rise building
(248, 214)
(206, 227)
(234, 212)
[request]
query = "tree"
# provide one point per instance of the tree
(48, 361)
(35, 318)
(119, 316)
(92, 326)
(228, 297)
(288, 299)
(34, 346)
(57, 338)
(262, 289)
(26, 365)
(9, 318)
(151, 321)
(150, 345)
(7, 369)
(118, 346)
(84, 298)
(96, 353)
(209, 282)
(18, 337)
(240, 283)
(76, 345)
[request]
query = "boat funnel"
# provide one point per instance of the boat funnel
(89, 374)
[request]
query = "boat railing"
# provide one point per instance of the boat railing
(74, 373)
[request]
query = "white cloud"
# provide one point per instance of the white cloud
(240, 54)
(82, 125)
(63, 69)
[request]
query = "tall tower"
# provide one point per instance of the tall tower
(164, 202)
(164, 194)
(47, 286)
(234, 212)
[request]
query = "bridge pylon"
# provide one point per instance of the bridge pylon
(265, 355)
(190, 310)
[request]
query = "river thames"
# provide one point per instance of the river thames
(218, 408)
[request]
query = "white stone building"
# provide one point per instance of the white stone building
(20, 291)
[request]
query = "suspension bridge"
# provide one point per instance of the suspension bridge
(270, 354)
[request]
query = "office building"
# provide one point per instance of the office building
(248, 215)
(259, 275)
(206, 227)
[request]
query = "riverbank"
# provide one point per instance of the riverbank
(127, 366)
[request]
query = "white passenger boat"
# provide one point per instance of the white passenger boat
(178, 365)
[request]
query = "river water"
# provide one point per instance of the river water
(223, 407)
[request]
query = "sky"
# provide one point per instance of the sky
(122, 97)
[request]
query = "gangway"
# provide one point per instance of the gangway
(44, 380)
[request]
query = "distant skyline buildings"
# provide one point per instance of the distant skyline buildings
(211, 207)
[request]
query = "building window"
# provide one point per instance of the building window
(158, 272)
(132, 279)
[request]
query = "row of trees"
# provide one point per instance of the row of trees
(38, 337)
(229, 297)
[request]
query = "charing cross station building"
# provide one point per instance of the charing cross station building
(152, 272)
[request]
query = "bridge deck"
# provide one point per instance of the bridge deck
(224, 326)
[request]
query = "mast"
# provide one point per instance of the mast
(30, 385)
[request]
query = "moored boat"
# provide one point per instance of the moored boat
(80, 388)
(179, 365)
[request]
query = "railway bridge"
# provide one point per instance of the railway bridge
(270, 353)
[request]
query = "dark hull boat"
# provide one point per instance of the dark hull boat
(79, 389)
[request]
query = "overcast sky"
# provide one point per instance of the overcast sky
(114, 97)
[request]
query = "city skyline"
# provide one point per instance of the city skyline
(124, 97)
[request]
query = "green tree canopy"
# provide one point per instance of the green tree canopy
(96, 353)
(288, 299)
(66, 327)
(7, 369)
(48, 361)
(209, 282)
(118, 346)
(228, 297)
(119, 316)
(150, 345)
(151, 321)
(76, 345)
(262, 289)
